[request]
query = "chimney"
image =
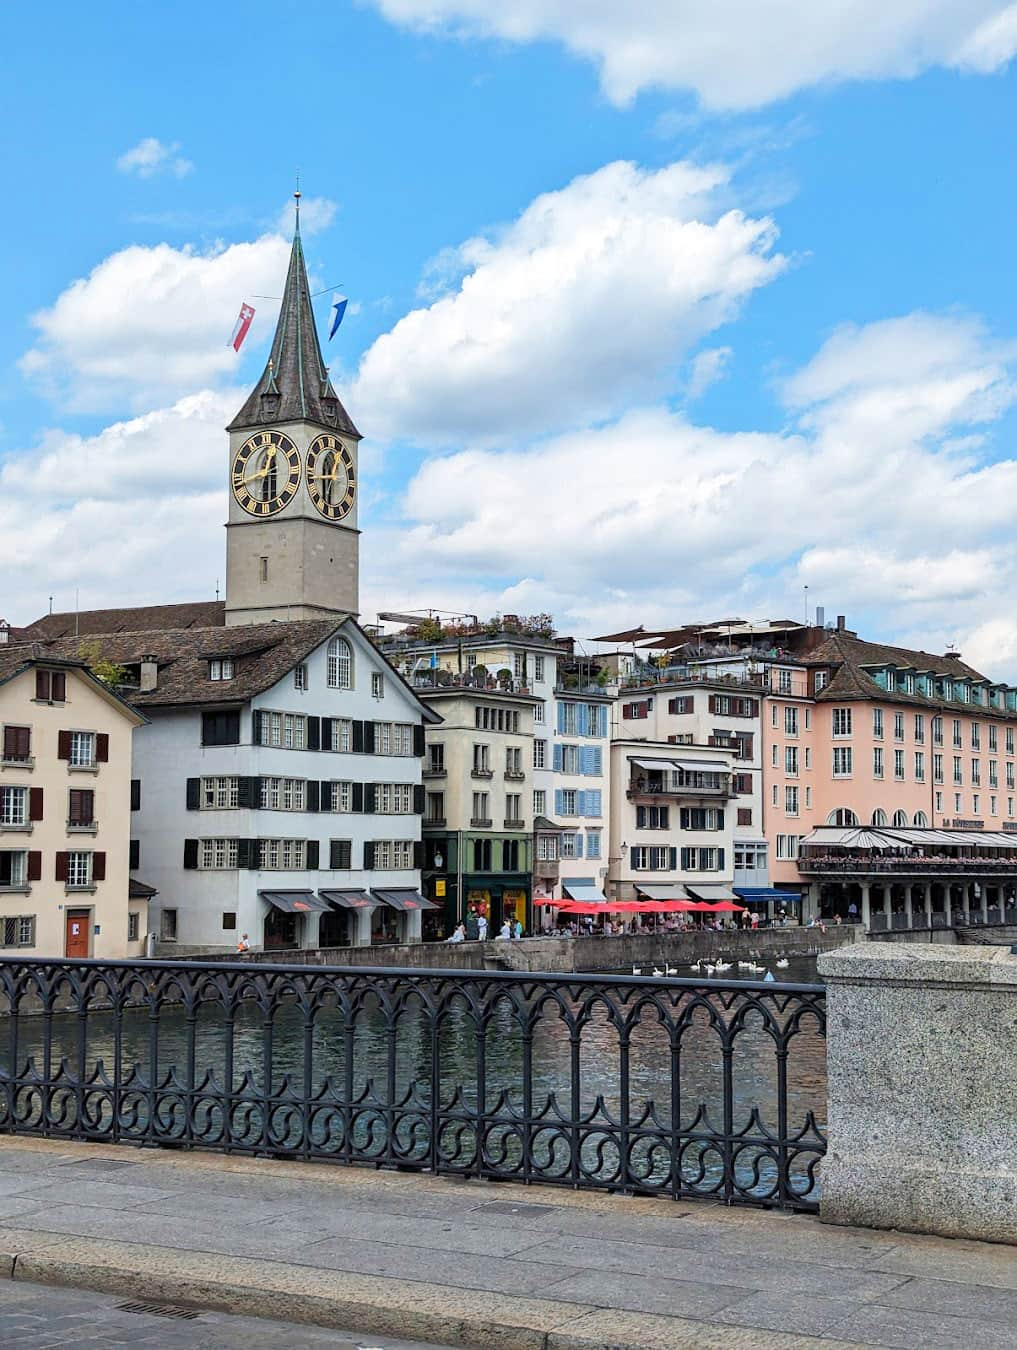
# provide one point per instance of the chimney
(820, 616)
(149, 674)
(841, 623)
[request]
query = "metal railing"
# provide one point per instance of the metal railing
(918, 865)
(679, 1088)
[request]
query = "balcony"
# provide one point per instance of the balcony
(546, 869)
(433, 772)
(481, 822)
(434, 822)
(514, 823)
(481, 773)
(690, 785)
(515, 775)
(919, 865)
(17, 762)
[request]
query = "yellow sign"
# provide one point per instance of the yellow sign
(439, 887)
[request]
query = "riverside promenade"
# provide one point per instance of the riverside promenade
(470, 1263)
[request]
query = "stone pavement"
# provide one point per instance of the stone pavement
(40, 1317)
(480, 1264)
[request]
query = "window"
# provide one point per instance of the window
(843, 816)
(939, 801)
(701, 818)
(538, 713)
(482, 759)
(976, 736)
(262, 569)
(285, 730)
(393, 799)
(937, 768)
(842, 721)
(341, 796)
(744, 816)
(569, 802)
(339, 664)
(513, 806)
(958, 774)
(50, 686)
(992, 807)
(879, 817)
(377, 684)
(300, 676)
(538, 669)
(17, 745)
(547, 847)
(822, 679)
(957, 806)
(787, 846)
(937, 731)
(790, 721)
(342, 735)
(220, 794)
(635, 711)
(685, 703)
(775, 754)
(919, 766)
(435, 804)
(482, 852)
(568, 717)
(877, 761)
(540, 802)
(655, 818)
(471, 660)
(698, 859)
(514, 759)
(593, 843)
(774, 714)
(919, 727)
(993, 773)
(218, 854)
(974, 804)
(898, 726)
(340, 855)
(791, 799)
(957, 741)
(791, 761)
(808, 757)
(481, 807)
(133, 927)
(13, 806)
(18, 931)
(877, 723)
(976, 773)
(1009, 742)
(1009, 773)
(436, 757)
(784, 681)
(993, 737)
(540, 754)
(281, 855)
(221, 668)
(842, 761)
(13, 869)
(898, 765)
(169, 925)
(80, 809)
(283, 794)
(220, 728)
(79, 870)
(570, 759)
(82, 754)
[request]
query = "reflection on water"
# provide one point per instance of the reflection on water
(361, 1085)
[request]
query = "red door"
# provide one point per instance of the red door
(76, 943)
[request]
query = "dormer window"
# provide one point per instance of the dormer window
(329, 410)
(221, 668)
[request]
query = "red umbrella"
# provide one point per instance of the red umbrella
(724, 907)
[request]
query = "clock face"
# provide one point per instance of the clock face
(331, 477)
(266, 473)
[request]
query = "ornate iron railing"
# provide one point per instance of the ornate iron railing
(671, 1087)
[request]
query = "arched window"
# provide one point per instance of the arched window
(340, 664)
(842, 816)
(921, 821)
(879, 816)
(900, 819)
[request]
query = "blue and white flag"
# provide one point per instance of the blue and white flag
(339, 303)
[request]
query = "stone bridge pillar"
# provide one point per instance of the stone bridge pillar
(921, 1067)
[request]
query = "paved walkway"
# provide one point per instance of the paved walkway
(479, 1264)
(39, 1317)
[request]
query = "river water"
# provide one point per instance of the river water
(383, 1084)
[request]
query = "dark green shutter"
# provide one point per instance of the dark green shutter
(368, 855)
(368, 738)
(313, 796)
(358, 738)
(418, 740)
(193, 796)
(190, 854)
(314, 733)
(311, 855)
(370, 794)
(358, 796)
(418, 799)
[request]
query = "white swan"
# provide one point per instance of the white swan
(782, 963)
(637, 970)
(671, 970)
(657, 972)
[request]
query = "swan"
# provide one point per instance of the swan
(637, 970)
(710, 969)
(671, 970)
(782, 963)
(657, 972)
(723, 965)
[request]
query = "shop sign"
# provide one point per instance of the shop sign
(439, 888)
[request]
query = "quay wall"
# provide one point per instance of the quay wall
(572, 955)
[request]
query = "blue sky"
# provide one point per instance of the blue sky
(818, 389)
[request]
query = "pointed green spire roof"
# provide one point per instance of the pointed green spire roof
(295, 385)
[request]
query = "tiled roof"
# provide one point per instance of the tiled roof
(295, 385)
(264, 653)
(193, 614)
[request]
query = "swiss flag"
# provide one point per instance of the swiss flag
(242, 325)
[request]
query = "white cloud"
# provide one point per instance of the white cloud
(316, 215)
(737, 53)
(151, 156)
(876, 496)
(590, 299)
(132, 515)
(149, 324)
(707, 367)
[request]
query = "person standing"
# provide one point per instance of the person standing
(482, 927)
(472, 926)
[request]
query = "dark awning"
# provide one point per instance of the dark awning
(710, 893)
(404, 899)
(350, 899)
(765, 893)
(294, 902)
(138, 890)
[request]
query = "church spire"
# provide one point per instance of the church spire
(295, 385)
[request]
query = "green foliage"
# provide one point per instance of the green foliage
(108, 671)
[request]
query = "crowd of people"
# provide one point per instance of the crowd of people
(476, 928)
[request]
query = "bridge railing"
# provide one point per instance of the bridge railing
(673, 1087)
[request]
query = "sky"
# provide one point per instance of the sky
(659, 313)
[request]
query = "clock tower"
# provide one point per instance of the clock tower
(292, 543)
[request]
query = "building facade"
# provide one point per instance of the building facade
(65, 797)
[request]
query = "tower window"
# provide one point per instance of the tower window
(262, 569)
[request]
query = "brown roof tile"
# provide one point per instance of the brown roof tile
(192, 614)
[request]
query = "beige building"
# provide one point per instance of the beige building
(65, 812)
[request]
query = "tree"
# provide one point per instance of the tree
(108, 671)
